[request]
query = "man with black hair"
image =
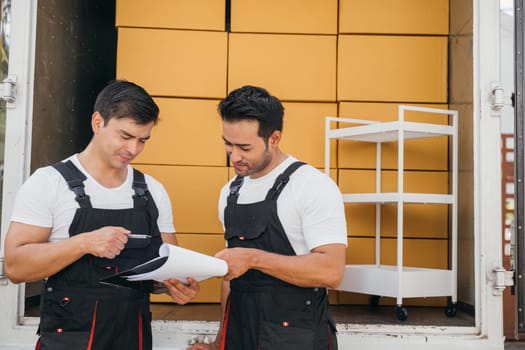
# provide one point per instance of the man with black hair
(91, 216)
(285, 229)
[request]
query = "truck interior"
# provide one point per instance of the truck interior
(76, 54)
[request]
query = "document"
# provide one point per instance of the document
(172, 262)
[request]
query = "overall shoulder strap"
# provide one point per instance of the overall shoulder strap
(75, 181)
(140, 187)
(235, 187)
(282, 180)
(139, 183)
(143, 198)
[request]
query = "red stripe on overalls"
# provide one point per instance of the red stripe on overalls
(37, 346)
(92, 333)
(140, 330)
(225, 326)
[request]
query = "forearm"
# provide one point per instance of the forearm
(169, 238)
(29, 256)
(323, 267)
(310, 270)
(35, 261)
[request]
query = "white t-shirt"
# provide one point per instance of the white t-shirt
(310, 207)
(45, 200)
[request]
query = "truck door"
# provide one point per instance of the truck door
(513, 164)
(17, 24)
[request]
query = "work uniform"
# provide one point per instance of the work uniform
(79, 312)
(263, 312)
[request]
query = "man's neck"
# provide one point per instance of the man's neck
(100, 170)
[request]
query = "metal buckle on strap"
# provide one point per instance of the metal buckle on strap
(79, 192)
(140, 188)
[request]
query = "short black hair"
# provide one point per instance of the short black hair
(124, 99)
(252, 102)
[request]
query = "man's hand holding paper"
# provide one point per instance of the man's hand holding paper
(178, 268)
(182, 293)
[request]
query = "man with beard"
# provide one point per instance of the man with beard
(285, 229)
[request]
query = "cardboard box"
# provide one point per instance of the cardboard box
(392, 68)
(290, 16)
(420, 220)
(291, 67)
(394, 17)
(194, 193)
(188, 133)
(174, 63)
(174, 14)
(303, 132)
(420, 154)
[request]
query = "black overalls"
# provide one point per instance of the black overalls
(263, 312)
(79, 312)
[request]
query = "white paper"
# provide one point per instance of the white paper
(183, 263)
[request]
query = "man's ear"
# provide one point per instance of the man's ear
(275, 138)
(97, 121)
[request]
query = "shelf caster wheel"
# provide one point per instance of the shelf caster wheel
(401, 313)
(450, 310)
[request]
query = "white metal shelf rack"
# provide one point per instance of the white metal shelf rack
(400, 281)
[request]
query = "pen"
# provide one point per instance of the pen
(134, 235)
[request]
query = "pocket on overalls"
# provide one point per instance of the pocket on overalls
(64, 340)
(66, 319)
(287, 324)
(283, 336)
(245, 232)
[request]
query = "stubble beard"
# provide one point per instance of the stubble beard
(266, 160)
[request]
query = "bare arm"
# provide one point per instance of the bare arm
(170, 238)
(322, 267)
(30, 257)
